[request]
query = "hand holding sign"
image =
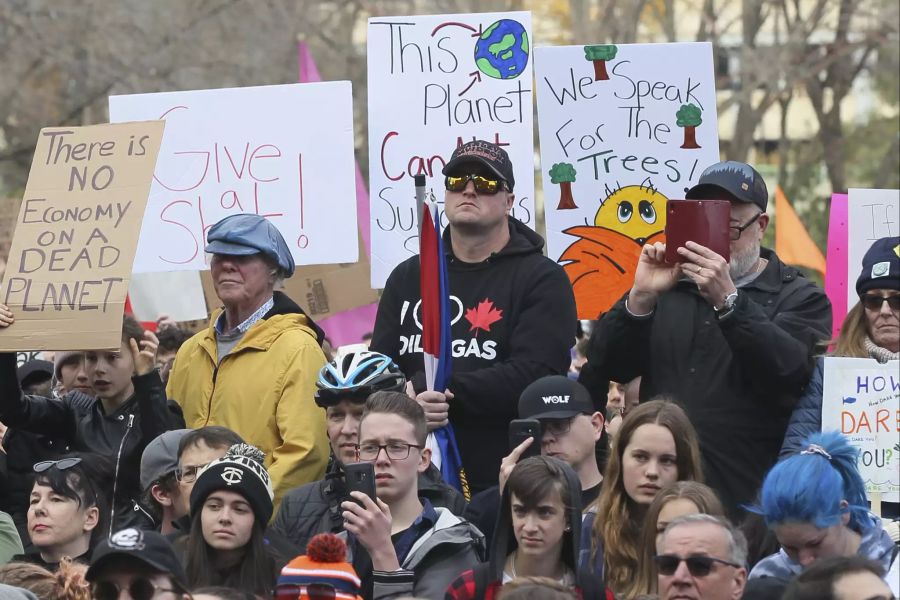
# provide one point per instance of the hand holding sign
(6, 316)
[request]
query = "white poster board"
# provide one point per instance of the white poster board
(871, 215)
(151, 296)
(281, 151)
(435, 82)
(622, 129)
(861, 399)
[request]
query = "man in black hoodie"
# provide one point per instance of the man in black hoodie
(512, 309)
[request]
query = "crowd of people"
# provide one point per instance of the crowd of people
(676, 450)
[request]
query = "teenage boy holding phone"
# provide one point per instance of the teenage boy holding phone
(402, 544)
(343, 386)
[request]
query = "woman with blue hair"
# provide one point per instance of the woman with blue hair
(815, 503)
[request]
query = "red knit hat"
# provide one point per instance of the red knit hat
(324, 564)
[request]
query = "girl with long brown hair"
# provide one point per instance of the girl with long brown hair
(656, 446)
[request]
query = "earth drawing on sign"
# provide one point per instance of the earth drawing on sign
(502, 50)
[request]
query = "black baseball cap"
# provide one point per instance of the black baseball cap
(484, 153)
(35, 370)
(555, 397)
(740, 180)
(148, 548)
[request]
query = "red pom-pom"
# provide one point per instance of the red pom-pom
(326, 548)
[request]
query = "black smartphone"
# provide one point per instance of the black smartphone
(522, 429)
(360, 477)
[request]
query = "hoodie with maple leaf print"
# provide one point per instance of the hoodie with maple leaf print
(514, 321)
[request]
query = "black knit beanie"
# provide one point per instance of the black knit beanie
(241, 471)
(880, 266)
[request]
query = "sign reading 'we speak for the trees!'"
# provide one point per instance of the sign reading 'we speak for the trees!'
(623, 129)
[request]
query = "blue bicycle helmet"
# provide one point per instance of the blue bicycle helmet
(355, 376)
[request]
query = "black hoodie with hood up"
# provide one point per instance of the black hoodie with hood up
(485, 579)
(513, 321)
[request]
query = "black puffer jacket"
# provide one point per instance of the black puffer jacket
(316, 507)
(137, 421)
(22, 450)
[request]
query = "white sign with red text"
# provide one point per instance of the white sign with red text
(281, 151)
(435, 82)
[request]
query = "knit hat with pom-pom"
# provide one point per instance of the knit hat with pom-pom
(324, 564)
(241, 471)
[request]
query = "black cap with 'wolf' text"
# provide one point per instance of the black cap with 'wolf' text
(555, 397)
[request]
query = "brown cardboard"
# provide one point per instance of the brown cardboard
(321, 290)
(70, 263)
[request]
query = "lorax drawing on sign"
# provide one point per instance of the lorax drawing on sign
(601, 262)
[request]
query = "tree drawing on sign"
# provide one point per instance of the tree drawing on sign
(689, 117)
(599, 55)
(564, 175)
(483, 316)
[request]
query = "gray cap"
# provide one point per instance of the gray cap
(160, 457)
(738, 179)
(242, 235)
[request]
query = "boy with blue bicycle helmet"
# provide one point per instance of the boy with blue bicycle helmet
(343, 386)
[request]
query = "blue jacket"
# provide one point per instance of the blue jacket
(807, 416)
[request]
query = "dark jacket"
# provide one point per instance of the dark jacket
(738, 379)
(23, 450)
(137, 421)
(484, 581)
(513, 321)
(316, 507)
(806, 418)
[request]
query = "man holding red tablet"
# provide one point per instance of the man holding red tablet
(731, 341)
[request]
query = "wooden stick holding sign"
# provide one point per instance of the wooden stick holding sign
(75, 239)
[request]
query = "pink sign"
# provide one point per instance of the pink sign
(836, 261)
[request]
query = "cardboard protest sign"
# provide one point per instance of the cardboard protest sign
(284, 152)
(623, 128)
(74, 244)
(873, 214)
(861, 399)
(436, 82)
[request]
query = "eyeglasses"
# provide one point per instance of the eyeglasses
(140, 588)
(314, 591)
(873, 302)
(62, 464)
(188, 474)
(394, 450)
(736, 232)
(483, 185)
(557, 427)
(698, 566)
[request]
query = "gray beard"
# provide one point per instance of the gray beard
(743, 264)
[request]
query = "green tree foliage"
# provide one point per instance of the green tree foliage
(600, 52)
(688, 116)
(562, 173)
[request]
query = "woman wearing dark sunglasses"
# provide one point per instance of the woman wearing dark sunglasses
(68, 509)
(870, 330)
